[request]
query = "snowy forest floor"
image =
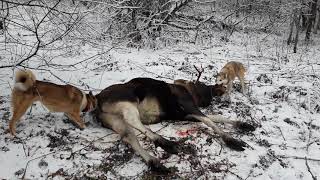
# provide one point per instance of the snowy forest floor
(283, 100)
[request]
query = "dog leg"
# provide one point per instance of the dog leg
(241, 78)
(237, 124)
(132, 117)
(232, 143)
(18, 112)
(229, 87)
(75, 117)
(128, 135)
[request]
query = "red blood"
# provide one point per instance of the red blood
(184, 133)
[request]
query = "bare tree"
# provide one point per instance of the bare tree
(297, 18)
(200, 71)
(295, 25)
(317, 20)
(311, 18)
(46, 24)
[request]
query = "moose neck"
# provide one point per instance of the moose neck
(204, 94)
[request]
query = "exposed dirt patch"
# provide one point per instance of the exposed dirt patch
(263, 78)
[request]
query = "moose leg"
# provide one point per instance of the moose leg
(237, 124)
(230, 141)
(131, 116)
(128, 135)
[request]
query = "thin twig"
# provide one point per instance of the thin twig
(152, 72)
(281, 133)
(25, 169)
(90, 143)
(72, 154)
(308, 167)
(239, 177)
(200, 71)
(309, 137)
(298, 157)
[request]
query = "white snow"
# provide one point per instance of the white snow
(289, 122)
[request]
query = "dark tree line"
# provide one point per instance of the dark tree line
(139, 22)
(304, 18)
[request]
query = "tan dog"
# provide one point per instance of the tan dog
(57, 98)
(228, 74)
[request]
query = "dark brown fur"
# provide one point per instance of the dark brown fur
(202, 94)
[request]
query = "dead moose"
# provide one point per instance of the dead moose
(126, 107)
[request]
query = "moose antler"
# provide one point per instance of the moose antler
(199, 72)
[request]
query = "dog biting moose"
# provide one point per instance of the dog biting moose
(127, 107)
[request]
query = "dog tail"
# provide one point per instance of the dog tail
(24, 79)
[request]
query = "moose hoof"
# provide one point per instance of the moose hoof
(189, 149)
(246, 127)
(171, 147)
(156, 167)
(234, 144)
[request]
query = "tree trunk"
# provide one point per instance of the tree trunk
(316, 23)
(1, 24)
(298, 16)
(318, 27)
(237, 8)
(289, 40)
(250, 6)
(311, 19)
(304, 21)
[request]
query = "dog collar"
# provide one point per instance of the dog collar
(87, 107)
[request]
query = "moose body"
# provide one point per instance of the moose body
(126, 107)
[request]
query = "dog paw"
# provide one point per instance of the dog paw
(82, 127)
(8, 131)
(246, 127)
(234, 144)
(12, 131)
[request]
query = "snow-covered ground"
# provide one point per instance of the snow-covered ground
(283, 101)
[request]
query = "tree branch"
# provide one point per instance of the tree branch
(38, 43)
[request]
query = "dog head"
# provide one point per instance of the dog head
(222, 78)
(91, 103)
(218, 89)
